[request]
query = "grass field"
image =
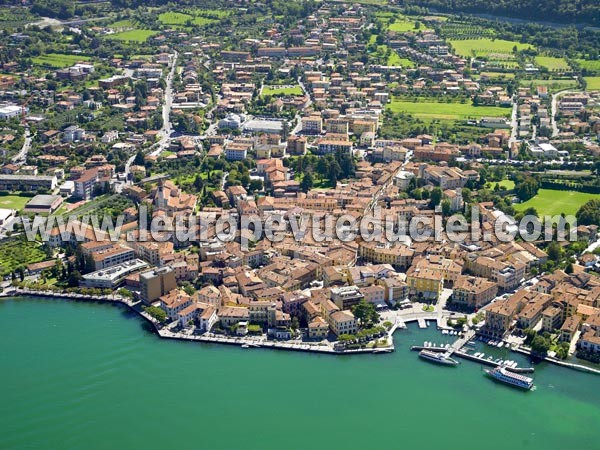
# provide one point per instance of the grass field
(593, 83)
(552, 63)
(139, 36)
(553, 85)
(396, 60)
(498, 75)
(402, 26)
(508, 184)
(446, 111)
(58, 60)
(280, 91)
(550, 202)
(590, 65)
(174, 18)
(485, 47)
(126, 23)
(13, 202)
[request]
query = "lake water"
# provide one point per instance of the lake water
(92, 376)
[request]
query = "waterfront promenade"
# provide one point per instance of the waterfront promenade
(400, 319)
(326, 347)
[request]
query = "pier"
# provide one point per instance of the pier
(422, 323)
(468, 356)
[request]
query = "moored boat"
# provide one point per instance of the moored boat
(438, 357)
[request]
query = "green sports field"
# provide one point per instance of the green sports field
(550, 202)
(13, 202)
(486, 47)
(446, 111)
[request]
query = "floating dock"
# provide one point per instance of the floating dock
(480, 360)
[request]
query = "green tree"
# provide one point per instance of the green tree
(156, 312)
(366, 313)
(589, 213)
(435, 197)
(554, 251)
(307, 182)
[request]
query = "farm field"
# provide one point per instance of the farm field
(553, 85)
(133, 35)
(445, 111)
(593, 83)
(174, 18)
(194, 17)
(126, 23)
(551, 202)
(281, 90)
(485, 47)
(19, 252)
(13, 202)
(58, 60)
(498, 75)
(211, 13)
(552, 63)
(589, 65)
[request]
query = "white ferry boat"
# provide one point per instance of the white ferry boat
(506, 376)
(437, 357)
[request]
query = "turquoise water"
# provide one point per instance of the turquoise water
(91, 376)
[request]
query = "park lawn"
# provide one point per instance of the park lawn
(484, 47)
(508, 184)
(58, 60)
(395, 60)
(139, 36)
(13, 202)
(593, 83)
(589, 65)
(550, 202)
(280, 91)
(19, 252)
(402, 26)
(552, 63)
(446, 111)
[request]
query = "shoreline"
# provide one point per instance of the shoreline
(164, 333)
(246, 342)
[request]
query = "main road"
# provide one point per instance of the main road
(21, 157)
(167, 128)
